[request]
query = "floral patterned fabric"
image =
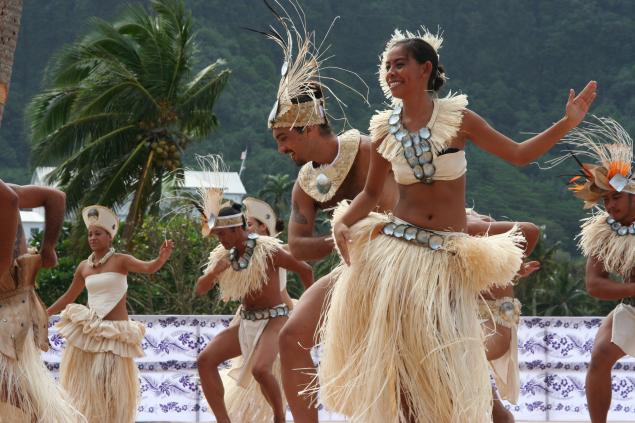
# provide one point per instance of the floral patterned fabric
(554, 354)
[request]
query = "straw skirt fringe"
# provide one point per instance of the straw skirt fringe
(101, 383)
(402, 340)
(248, 404)
(28, 392)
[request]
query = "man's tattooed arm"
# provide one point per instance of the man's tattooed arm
(297, 215)
(303, 242)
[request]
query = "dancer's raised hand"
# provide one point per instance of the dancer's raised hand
(527, 268)
(578, 105)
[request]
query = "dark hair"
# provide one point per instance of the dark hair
(279, 225)
(233, 208)
(325, 128)
(315, 88)
(423, 52)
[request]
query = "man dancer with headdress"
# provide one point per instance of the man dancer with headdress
(27, 390)
(607, 240)
(334, 168)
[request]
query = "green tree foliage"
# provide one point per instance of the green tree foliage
(516, 60)
(122, 105)
(558, 288)
(277, 192)
(52, 283)
(171, 289)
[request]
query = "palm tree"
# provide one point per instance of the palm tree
(10, 14)
(121, 108)
(277, 191)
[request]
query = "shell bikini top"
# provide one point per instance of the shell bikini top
(105, 290)
(422, 156)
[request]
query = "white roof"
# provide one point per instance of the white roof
(31, 217)
(229, 181)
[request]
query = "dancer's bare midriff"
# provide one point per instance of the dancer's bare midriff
(444, 211)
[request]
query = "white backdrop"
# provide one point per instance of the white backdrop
(554, 355)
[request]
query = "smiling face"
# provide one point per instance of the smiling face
(296, 144)
(620, 206)
(404, 75)
(98, 238)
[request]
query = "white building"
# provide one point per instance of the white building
(233, 188)
(231, 183)
(32, 222)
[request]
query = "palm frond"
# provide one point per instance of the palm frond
(120, 106)
(72, 136)
(116, 183)
(50, 110)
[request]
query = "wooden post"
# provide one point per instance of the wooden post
(10, 14)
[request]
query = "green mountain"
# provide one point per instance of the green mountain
(515, 59)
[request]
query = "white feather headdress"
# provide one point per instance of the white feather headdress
(298, 99)
(210, 179)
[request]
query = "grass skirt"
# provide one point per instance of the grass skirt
(98, 369)
(402, 340)
(28, 392)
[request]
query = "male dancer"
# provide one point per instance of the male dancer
(246, 267)
(607, 240)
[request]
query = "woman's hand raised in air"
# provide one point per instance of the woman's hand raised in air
(578, 106)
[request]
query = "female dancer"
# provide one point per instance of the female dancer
(98, 369)
(28, 392)
(401, 338)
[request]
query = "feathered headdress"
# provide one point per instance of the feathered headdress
(610, 148)
(300, 98)
(434, 40)
(209, 176)
(209, 199)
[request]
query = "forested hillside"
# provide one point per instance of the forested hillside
(515, 59)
